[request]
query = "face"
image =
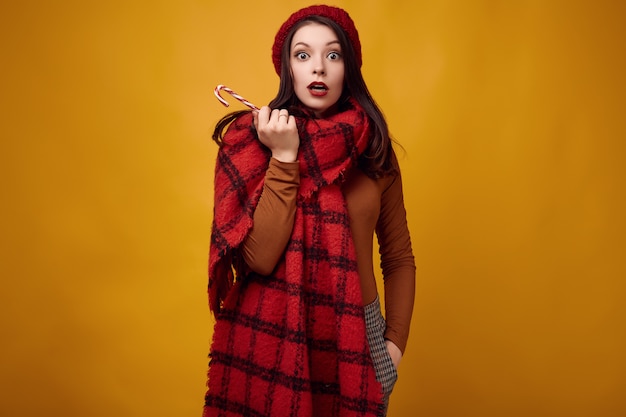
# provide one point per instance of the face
(317, 67)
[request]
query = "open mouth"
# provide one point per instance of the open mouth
(318, 87)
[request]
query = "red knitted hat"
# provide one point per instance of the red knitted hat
(339, 16)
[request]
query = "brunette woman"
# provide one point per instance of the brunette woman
(301, 186)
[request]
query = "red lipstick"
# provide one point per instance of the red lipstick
(318, 88)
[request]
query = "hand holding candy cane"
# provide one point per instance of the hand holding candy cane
(276, 128)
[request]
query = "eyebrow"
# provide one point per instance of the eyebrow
(308, 46)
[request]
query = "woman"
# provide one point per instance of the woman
(300, 188)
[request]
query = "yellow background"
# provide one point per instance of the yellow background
(512, 117)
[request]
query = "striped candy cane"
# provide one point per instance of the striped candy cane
(235, 95)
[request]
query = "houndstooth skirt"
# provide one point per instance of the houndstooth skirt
(386, 373)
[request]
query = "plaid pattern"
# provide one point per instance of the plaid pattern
(386, 372)
(293, 343)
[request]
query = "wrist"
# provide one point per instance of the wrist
(285, 156)
(394, 352)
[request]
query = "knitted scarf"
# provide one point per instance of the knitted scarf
(292, 343)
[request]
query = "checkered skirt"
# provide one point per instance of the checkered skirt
(386, 372)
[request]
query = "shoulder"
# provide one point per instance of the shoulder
(240, 131)
(241, 149)
(393, 178)
(243, 119)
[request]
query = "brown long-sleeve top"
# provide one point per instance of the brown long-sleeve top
(373, 206)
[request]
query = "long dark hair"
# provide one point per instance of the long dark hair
(378, 160)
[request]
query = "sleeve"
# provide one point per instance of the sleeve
(397, 263)
(273, 217)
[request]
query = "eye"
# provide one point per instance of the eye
(334, 56)
(301, 55)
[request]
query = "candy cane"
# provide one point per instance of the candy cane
(235, 95)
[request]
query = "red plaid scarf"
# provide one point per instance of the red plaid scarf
(293, 343)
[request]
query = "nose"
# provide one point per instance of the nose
(318, 67)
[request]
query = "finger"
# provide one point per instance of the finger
(263, 116)
(283, 116)
(255, 118)
(291, 120)
(274, 115)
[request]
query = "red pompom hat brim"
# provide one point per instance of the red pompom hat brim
(339, 16)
